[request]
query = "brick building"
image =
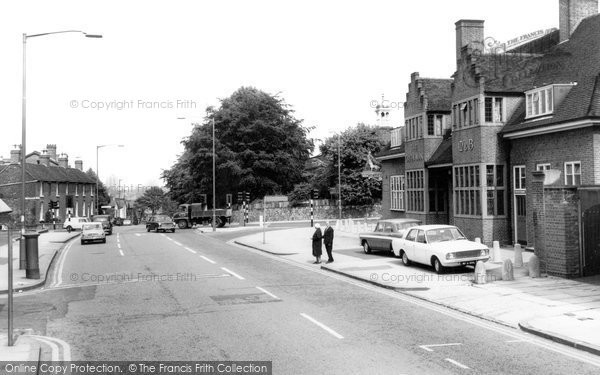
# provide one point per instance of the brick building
(49, 178)
(505, 114)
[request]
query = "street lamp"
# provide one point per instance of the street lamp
(98, 173)
(24, 112)
(339, 174)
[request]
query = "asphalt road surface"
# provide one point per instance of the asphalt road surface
(191, 296)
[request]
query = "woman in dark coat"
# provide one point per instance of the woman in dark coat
(317, 244)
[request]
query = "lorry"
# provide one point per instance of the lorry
(198, 213)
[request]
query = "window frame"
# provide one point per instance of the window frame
(415, 191)
(573, 175)
(397, 193)
(539, 102)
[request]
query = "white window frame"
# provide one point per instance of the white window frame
(467, 188)
(542, 167)
(415, 190)
(572, 165)
(397, 201)
(539, 102)
(519, 187)
(498, 115)
(396, 137)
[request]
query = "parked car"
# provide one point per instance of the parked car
(384, 234)
(75, 223)
(91, 232)
(106, 222)
(440, 246)
(126, 222)
(160, 223)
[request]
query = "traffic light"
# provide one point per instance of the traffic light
(54, 205)
(203, 198)
(247, 196)
(315, 194)
(240, 196)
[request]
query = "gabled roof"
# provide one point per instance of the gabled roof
(443, 154)
(439, 94)
(576, 60)
(53, 174)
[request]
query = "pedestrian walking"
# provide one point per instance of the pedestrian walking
(317, 244)
(328, 241)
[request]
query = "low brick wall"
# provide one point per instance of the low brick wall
(303, 213)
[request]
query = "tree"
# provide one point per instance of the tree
(356, 143)
(260, 147)
(103, 196)
(153, 199)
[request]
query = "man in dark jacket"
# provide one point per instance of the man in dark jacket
(328, 241)
(317, 244)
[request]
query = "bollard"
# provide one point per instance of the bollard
(477, 239)
(507, 270)
(480, 274)
(31, 248)
(22, 254)
(496, 253)
(518, 256)
(534, 266)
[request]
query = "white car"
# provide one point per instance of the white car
(75, 223)
(91, 232)
(440, 246)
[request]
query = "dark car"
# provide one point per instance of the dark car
(386, 231)
(106, 222)
(160, 223)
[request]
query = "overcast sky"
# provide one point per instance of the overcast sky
(330, 60)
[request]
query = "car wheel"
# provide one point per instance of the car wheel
(182, 224)
(104, 240)
(405, 259)
(148, 229)
(172, 230)
(366, 247)
(82, 242)
(437, 265)
(69, 229)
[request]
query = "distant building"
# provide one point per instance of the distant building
(49, 178)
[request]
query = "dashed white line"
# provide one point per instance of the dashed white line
(119, 245)
(208, 260)
(232, 273)
(457, 363)
(137, 234)
(121, 252)
(177, 243)
(428, 347)
(190, 250)
(331, 331)
(267, 292)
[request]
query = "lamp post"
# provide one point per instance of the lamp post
(214, 217)
(98, 173)
(339, 178)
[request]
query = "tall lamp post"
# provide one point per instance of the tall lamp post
(214, 216)
(98, 173)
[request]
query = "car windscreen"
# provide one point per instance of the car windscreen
(162, 219)
(444, 234)
(92, 226)
(102, 219)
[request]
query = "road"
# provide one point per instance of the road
(193, 296)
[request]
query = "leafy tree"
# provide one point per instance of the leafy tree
(103, 196)
(260, 147)
(356, 143)
(153, 199)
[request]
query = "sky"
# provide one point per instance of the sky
(161, 63)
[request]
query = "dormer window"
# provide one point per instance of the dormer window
(540, 102)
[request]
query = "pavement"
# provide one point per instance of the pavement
(562, 310)
(49, 244)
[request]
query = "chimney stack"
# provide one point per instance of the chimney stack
(45, 158)
(63, 161)
(52, 151)
(572, 12)
(79, 165)
(15, 154)
(468, 32)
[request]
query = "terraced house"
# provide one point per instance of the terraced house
(508, 149)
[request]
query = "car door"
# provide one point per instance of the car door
(386, 239)
(375, 241)
(409, 242)
(420, 248)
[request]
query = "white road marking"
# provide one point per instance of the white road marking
(232, 273)
(519, 340)
(53, 347)
(507, 331)
(331, 331)
(428, 347)
(137, 234)
(119, 245)
(190, 250)
(457, 363)
(267, 292)
(208, 260)
(177, 243)
(53, 342)
(121, 252)
(164, 235)
(62, 264)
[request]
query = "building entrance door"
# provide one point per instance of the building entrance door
(590, 231)
(521, 219)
